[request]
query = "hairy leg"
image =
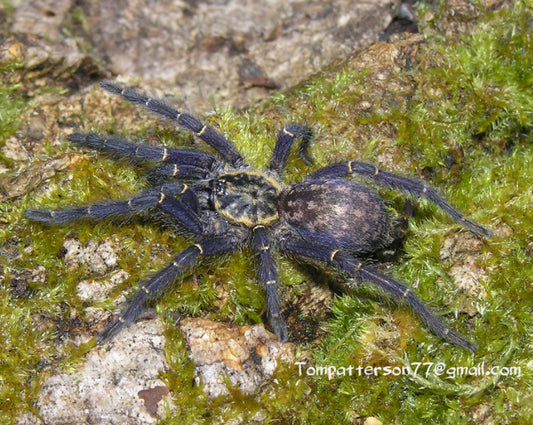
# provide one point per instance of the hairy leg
(204, 132)
(123, 148)
(163, 196)
(163, 279)
(283, 145)
(269, 280)
(347, 263)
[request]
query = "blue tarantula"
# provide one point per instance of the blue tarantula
(223, 203)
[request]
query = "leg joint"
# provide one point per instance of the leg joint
(287, 132)
(202, 131)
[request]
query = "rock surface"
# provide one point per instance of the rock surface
(246, 355)
(118, 383)
(231, 52)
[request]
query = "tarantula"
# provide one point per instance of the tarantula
(225, 203)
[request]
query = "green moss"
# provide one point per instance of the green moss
(11, 106)
(474, 92)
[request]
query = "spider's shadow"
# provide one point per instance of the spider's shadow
(306, 327)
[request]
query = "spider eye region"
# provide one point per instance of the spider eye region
(248, 198)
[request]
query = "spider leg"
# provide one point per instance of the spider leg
(204, 132)
(163, 172)
(164, 278)
(191, 200)
(284, 142)
(347, 263)
(269, 280)
(164, 196)
(412, 186)
(123, 148)
(184, 212)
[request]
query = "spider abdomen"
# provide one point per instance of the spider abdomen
(338, 212)
(248, 198)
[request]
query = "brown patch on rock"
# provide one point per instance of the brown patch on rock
(246, 355)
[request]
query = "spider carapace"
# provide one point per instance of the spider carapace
(222, 203)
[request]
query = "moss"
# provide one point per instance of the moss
(463, 120)
(474, 92)
(11, 107)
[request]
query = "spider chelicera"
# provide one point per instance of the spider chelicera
(226, 203)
